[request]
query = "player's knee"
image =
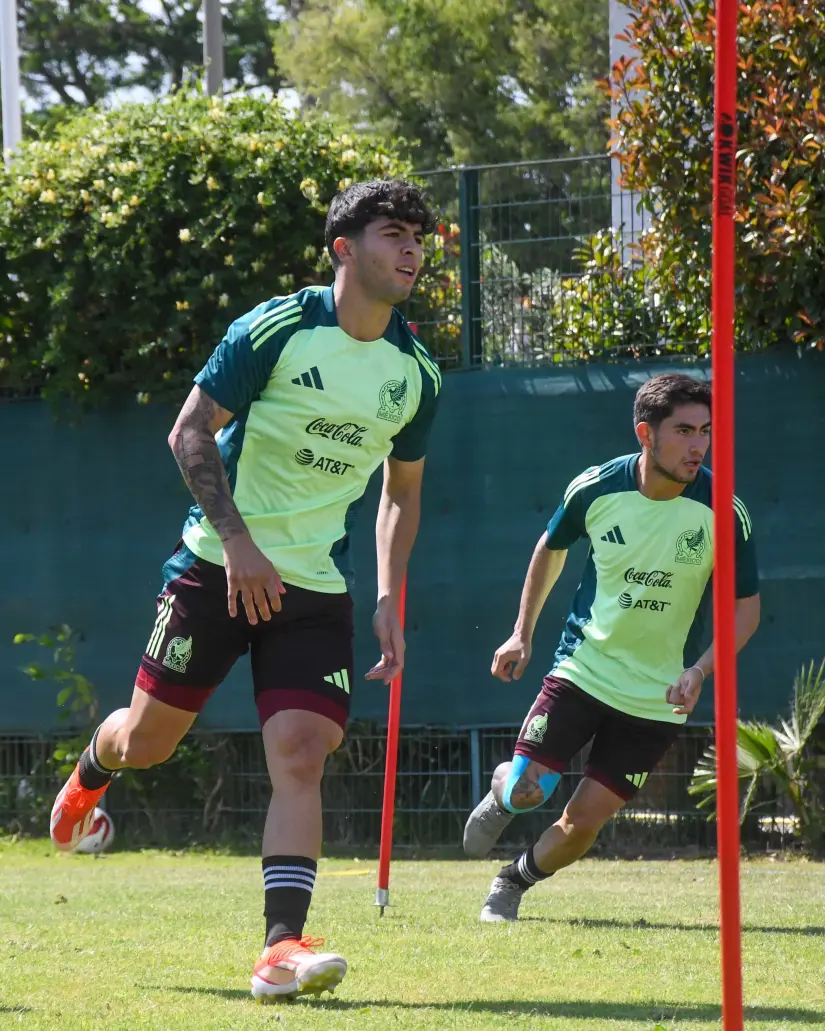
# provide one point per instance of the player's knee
(298, 753)
(139, 751)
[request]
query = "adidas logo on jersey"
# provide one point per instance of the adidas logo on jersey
(309, 379)
(614, 536)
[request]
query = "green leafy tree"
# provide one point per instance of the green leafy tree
(78, 52)
(462, 80)
(664, 136)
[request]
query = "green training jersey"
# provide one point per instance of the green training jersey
(639, 614)
(315, 413)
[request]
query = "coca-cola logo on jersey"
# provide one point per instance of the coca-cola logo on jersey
(656, 578)
(344, 432)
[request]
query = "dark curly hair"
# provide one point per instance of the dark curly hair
(657, 399)
(352, 210)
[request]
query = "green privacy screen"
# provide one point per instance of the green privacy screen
(91, 512)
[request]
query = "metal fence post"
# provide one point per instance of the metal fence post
(468, 220)
(475, 766)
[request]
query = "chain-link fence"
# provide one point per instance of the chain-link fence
(539, 262)
(216, 788)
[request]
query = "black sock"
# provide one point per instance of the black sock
(288, 884)
(91, 774)
(524, 871)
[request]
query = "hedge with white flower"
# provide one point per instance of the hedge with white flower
(131, 238)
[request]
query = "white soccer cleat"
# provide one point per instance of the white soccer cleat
(485, 826)
(502, 902)
(290, 968)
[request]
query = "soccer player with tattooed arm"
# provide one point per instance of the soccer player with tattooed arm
(303, 400)
(629, 668)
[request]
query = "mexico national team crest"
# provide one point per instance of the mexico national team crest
(690, 547)
(392, 400)
(536, 729)
(178, 654)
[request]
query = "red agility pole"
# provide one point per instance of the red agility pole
(382, 894)
(724, 593)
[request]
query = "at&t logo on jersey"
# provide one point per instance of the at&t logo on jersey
(649, 604)
(328, 465)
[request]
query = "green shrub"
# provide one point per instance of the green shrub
(131, 238)
(663, 134)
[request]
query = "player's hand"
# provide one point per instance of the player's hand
(511, 659)
(685, 692)
(387, 627)
(250, 574)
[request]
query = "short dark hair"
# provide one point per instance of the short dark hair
(657, 399)
(352, 210)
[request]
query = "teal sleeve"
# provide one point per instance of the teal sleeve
(241, 365)
(568, 525)
(410, 443)
(747, 571)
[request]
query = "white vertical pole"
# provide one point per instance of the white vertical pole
(10, 73)
(625, 216)
(213, 46)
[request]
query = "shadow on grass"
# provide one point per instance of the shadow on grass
(579, 1009)
(649, 925)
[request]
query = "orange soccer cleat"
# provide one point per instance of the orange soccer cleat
(290, 968)
(73, 812)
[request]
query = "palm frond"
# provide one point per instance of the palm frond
(808, 705)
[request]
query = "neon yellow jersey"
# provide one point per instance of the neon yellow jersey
(315, 413)
(640, 612)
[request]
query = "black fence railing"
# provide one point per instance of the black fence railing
(540, 262)
(216, 788)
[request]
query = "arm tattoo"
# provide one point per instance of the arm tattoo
(202, 469)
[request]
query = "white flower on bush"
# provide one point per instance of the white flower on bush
(48, 197)
(185, 236)
(309, 188)
(223, 301)
(117, 193)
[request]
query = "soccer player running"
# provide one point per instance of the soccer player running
(628, 670)
(305, 397)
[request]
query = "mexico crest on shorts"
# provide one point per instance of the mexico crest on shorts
(392, 400)
(690, 547)
(178, 654)
(536, 729)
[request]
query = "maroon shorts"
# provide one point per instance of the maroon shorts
(301, 658)
(625, 748)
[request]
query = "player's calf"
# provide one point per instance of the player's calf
(517, 787)
(523, 784)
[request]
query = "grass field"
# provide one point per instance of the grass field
(162, 941)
